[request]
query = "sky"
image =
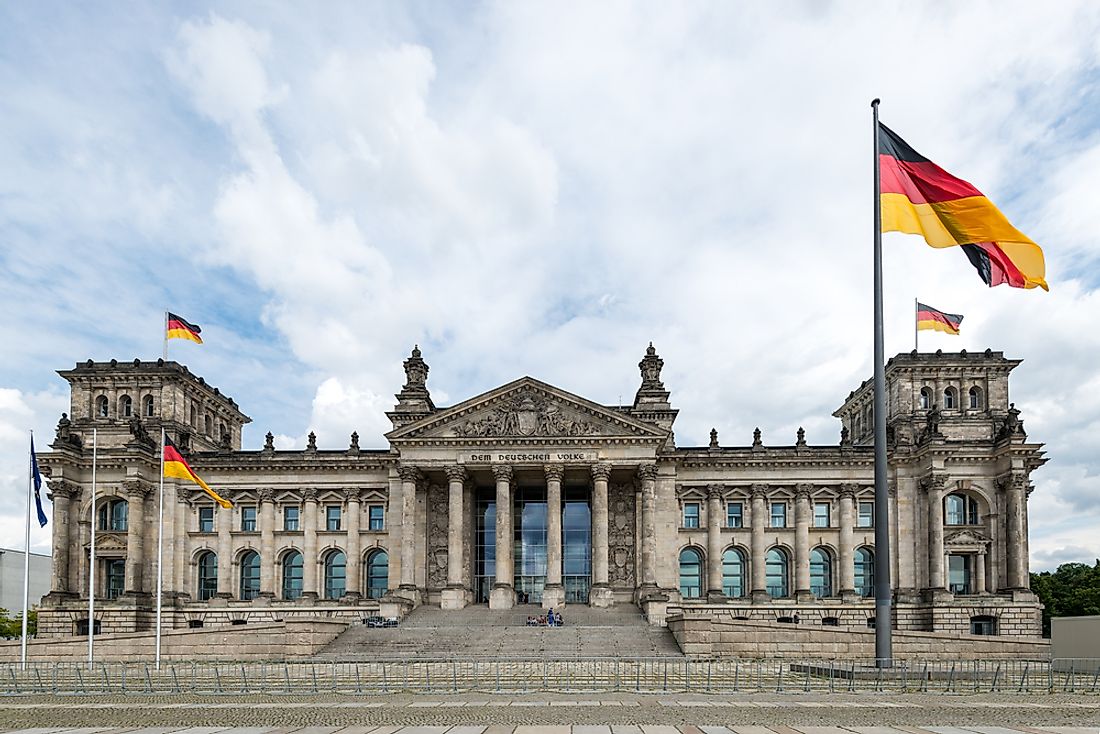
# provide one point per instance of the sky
(540, 189)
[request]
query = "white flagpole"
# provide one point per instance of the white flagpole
(160, 539)
(27, 559)
(91, 560)
(165, 337)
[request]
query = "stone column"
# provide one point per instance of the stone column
(647, 475)
(847, 543)
(757, 562)
(309, 545)
(933, 487)
(135, 534)
(410, 477)
(1016, 542)
(553, 594)
(503, 595)
(267, 543)
(600, 595)
(979, 572)
(62, 494)
(454, 596)
(225, 552)
(714, 543)
(802, 543)
(354, 550)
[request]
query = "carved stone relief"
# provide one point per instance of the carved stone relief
(437, 536)
(620, 534)
(528, 414)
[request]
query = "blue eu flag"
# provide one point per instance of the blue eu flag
(37, 486)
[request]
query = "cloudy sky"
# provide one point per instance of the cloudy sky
(540, 189)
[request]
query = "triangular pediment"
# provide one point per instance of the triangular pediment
(968, 537)
(523, 410)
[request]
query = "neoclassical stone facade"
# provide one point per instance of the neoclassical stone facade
(528, 494)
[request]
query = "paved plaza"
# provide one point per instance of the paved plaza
(553, 714)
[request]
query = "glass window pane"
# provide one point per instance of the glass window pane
(292, 575)
(776, 572)
(821, 515)
(690, 574)
(291, 518)
(332, 515)
(779, 515)
(734, 517)
(376, 517)
(248, 519)
(691, 514)
(866, 515)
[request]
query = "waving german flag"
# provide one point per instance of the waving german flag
(181, 328)
(176, 466)
(919, 197)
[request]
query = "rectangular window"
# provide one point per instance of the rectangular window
(821, 514)
(376, 517)
(332, 517)
(734, 518)
(290, 518)
(248, 518)
(958, 574)
(206, 519)
(779, 515)
(691, 514)
(866, 515)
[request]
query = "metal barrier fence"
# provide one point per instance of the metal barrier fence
(569, 675)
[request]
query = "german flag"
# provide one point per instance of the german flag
(181, 328)
(176, 466)
(919, 197)
(931, 319)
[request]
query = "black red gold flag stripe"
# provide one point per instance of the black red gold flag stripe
(919, 197)
(181, 328)
(932, 319)
(176, 466)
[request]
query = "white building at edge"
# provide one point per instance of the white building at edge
(528, 494)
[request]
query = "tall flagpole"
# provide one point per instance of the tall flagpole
(27, 558)
(916, 325)
(165, 343)
(884, 656)
(160, 539)
(91, 561)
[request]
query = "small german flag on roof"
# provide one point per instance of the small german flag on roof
(181, 328)
(931, 319)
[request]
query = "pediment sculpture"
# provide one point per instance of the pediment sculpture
(527, 414)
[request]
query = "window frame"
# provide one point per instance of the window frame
(733, 584)
(690, 518)
(686, 589)
(772, 516)
(864, 572)
(373, 569)
(828, 514)
(249, 518)
(291, 591)
(824, 572)
(297, 520)
(950, 398)
(114, 577)
(207, 575)
(783, 589)
(206, 525)
(339, 516)
(860, 504)
(735, 519)
(249, 586)
(332, 590)
(381, 518)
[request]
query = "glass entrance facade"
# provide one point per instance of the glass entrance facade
(529, 548)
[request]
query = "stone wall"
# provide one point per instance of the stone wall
(272, 641)
(705, 635)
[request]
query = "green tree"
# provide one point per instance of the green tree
(11, 625)
(1071, 591)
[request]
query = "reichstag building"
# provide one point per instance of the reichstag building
(528, 494)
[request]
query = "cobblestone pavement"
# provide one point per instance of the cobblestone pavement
(870, 713)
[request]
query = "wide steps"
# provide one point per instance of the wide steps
(478, 632)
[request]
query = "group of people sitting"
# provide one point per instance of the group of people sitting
(550, 619)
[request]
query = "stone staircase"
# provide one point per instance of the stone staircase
(478, 632)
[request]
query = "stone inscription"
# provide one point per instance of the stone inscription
(529, 457)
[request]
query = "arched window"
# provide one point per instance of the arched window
(857, 427)
(209, 426)
(776, 568)
(194, 417)
(733, 573)
(335, 574)
(691, 574)
(223, 432)
(975, 395)
(378, 574)
(125, 406)
(950, 399)
(112, 516)
(865, 572)
(208, 575)
(250, 575)
(821, 572)
(925, 399)
(147, 406)
(292, 575)
(101, 406)
(959, 509)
